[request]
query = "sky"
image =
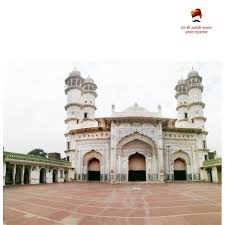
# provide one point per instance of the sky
(34, 97)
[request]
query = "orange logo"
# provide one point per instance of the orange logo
(196, 15)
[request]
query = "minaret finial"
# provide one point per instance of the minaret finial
(75, 68)
(192, 67)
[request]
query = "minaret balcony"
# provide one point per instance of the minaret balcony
(196, 103)
(73, 104)
(181, 106)
(73, 87)
(71, 119)
(180, 93)
(90, 92)
(89, 105)
(195, 85)
(199, 118)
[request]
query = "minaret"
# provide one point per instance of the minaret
(73, 91)
(195, 104)
(182, 103)
(88, 99)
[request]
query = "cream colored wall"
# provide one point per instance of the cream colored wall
(94, 165)
(137, 162)
(179, 165)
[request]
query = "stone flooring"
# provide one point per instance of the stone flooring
(121, 204)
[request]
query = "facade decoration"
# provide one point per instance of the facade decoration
(135, 144)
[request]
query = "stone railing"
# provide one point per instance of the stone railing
(212, 162)
(34, 158)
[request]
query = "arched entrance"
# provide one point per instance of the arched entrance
(137, 168)
(94, 170)
(42, 178)
(180, 169)
(55, 176)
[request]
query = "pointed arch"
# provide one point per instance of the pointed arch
(90, 155)
(136, 136)
(183, 155)
(143, 143)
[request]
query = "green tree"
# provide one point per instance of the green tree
(37, 151)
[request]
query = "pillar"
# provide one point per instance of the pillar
(22, 174)
(155, 169)
(119, 170)
(161, 165)
(112, 165)
(214, 174)
(14, 174)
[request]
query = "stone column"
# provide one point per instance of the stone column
(161, 165)
(22, 174)
(14, 174)
(154, 167)
(148, 164)
(214, 174)
(127, 169)
(160, 155)
(119, 172)
(112, 165)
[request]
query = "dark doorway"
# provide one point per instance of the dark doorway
(18, 175)
(66, 176)
(9, 174)
(219, 173)
(55, 176)
(42, 176)
(137, 168)
(94, 175)
(180, 169)
(26, 175)
(137, 175)
(94, 170)
(180, 175)
(210, 175)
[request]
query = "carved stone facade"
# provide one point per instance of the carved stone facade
(155, 141)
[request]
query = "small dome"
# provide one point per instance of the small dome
(75, 73)
(193, 73)
(88, 80)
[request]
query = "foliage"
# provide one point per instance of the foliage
(37, 151)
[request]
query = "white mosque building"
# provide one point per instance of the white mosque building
(135, 144)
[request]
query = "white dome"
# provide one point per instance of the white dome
(135, 108)
(136, 111)
(193, 73)
(88, 80)
(75, 73)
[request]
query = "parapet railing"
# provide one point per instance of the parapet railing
(35, 158)
(212, 162)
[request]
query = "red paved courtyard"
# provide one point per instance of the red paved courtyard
(121, 204)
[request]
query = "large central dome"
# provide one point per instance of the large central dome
(136, 111)
(135, 108)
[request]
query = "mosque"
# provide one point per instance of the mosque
(135, 144)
